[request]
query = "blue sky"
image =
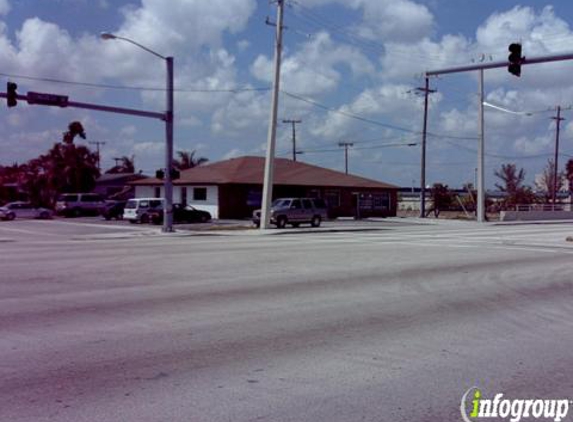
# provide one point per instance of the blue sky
(360, 58)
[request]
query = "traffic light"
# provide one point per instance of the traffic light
(11, 94)
(160, 174)
(515, 59)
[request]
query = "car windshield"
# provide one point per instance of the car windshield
(131, 205)
(281, 203)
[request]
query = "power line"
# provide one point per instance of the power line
(371, 121)
(507, 157)
(125, 87)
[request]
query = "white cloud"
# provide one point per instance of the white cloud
(4, 7)
(312, 68)
(389, 20)
(535, 145)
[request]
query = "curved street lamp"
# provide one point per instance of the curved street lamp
(167, 181)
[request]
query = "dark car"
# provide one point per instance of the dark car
(113, 209)
(181, 214)
(77, 204)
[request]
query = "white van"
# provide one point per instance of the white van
(136, 210)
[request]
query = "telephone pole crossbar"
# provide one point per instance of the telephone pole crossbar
(345, 145)
(294, 123)
(97, 144)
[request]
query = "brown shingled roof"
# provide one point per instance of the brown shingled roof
(250, 170)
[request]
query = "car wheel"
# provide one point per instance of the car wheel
(281, 222)
(204, 218)
(44, 215)
(133, 221)
(76, 212)
(10, 216)
(144, 219)
(315, 221)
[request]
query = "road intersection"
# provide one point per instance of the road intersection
(378, 322)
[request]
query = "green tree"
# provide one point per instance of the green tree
(441, 198)
(545, 183)
(512, 185)
(569, 174)
(66, 167)
(187, 160)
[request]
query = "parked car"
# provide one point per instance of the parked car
(182, 214)
(113, 209)
(23, 210)
(295, 211)
(137, 210)
(77, 204)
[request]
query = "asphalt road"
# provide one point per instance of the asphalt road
(101, 324)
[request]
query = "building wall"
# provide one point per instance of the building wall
(210, 204)
(239, 201)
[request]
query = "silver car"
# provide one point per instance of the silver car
(23, 210)
(295, 211)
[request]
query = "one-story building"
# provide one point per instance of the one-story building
(233, 188)
(116, 185)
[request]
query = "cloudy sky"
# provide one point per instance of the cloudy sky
(350, 73)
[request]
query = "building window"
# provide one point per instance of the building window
(184, 195)
(200, 194)
(381, 201)
(157, 192)
(332, 198)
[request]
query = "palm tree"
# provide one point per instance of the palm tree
(187, 160)
(513, 186)
(123, 165)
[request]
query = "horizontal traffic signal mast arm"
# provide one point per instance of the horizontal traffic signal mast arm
(89, 106)
(120, 110)
(494, 65)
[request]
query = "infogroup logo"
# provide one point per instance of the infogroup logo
(475, 407)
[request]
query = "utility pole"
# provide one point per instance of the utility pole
(97, 144)
(481, 217)
(427, 91)
(294, 123)
(271, 140)
(345, 145)
(558, 120)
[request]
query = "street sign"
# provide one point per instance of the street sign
(47, 99)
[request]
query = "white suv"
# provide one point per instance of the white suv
(137, 210)
(295, 211)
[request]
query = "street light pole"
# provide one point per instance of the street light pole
(168, 118)
(168, 183)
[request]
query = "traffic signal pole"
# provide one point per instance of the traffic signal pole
(481, 141)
